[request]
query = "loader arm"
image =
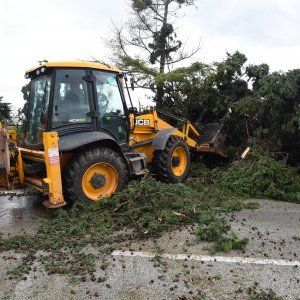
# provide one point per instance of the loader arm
(150, 133)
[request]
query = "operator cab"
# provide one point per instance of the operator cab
(76, 97)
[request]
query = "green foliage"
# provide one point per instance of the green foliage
(202, 88)
(270, 114)
(262, 176)
(140, 66)
(265, 295)
(5, 110)
(219, 232)
(25, 91)
(20, 117)
(147, 206)
(267, 112)
(211, 228)
(155, 206)
(256, 73)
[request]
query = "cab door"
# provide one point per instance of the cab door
(113, 116)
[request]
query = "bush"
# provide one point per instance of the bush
(262, 176)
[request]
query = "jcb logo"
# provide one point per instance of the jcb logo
(142, 122)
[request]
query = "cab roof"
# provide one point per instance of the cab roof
(75, 64)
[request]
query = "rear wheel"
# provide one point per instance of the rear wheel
(173, 163)
(94, 174)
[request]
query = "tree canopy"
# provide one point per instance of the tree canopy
(265, 106)
(147, 44)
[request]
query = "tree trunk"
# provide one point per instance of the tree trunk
(162, 63)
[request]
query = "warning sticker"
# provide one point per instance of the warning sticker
(54, 160)
(53, 156)
(53, 152)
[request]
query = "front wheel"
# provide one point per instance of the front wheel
(94, 174)
(173, 163)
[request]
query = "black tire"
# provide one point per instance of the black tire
(162, 162)
(82, 162)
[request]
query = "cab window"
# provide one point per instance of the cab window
(71, 103)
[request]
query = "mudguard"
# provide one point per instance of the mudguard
(76, 140)
(160, 140)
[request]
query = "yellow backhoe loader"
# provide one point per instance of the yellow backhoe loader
(84, 140)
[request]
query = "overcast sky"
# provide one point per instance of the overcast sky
(265, 30)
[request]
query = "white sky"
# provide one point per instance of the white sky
(265, 30)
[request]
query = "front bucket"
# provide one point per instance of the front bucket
(211, 139)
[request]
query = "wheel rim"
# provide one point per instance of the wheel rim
(179, 161)
(110, 184)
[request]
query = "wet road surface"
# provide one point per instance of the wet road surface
(19, 212)
(175, 266)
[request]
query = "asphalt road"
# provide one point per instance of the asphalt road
(182, 270)
(20, 211)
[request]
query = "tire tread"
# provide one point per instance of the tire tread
(161, 161)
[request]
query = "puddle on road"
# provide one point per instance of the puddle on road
(19, 214)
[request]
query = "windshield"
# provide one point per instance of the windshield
(37, 109)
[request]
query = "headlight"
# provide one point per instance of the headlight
(37, 72)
